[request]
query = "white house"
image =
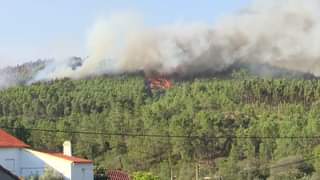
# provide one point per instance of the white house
(21, 160)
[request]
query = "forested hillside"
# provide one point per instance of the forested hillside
(241, 128)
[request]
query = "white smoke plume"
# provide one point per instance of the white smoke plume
(281, 33)
(4, 83)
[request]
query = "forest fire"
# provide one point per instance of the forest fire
(159, 83)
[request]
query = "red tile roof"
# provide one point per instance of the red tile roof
(71, 158)
(117, 175)
(9, 141)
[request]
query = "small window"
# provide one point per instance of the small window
(83, 173)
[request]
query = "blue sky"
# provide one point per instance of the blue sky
(32, 29)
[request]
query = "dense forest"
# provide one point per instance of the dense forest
(237, 128)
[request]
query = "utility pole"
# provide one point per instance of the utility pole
(197, 171)
(171, 173)
(169, 158)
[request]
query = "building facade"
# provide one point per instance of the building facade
(21, 160)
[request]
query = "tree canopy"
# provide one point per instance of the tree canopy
(234, 128)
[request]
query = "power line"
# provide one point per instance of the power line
(182, 137)
(159, 135)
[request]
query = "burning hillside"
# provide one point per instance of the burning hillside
(285, 39)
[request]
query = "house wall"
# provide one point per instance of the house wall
(27, 162)
(31, 165)
(10, 159)
(82, 171)
(60, 165)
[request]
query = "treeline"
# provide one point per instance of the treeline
(235, 129)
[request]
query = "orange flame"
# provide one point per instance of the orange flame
(160, 83)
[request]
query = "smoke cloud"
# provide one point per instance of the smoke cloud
(280, 33)
(4, 83)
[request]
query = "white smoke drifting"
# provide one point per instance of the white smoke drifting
(3, 83)
(281, 33)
